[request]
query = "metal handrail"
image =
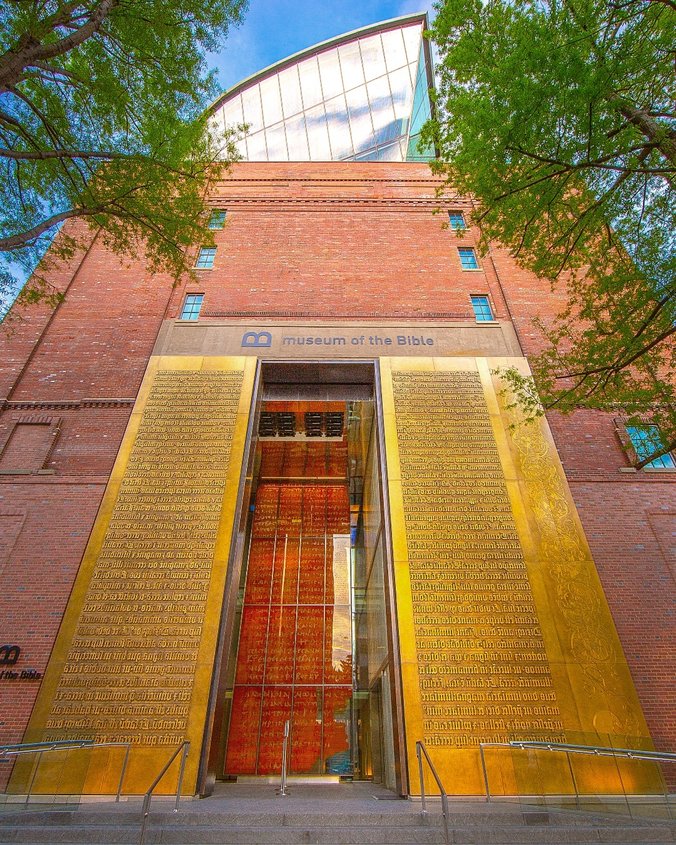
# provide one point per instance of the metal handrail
(420, 750)
(27, 747)
(40, 748)
(599, 750)
(183, 747)
(572, 748)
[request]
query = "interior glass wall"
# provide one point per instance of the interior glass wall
(304, 650)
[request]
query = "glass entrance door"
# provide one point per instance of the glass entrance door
(305, 650)
(294, 659)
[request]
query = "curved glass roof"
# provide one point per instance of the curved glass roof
(360, 97)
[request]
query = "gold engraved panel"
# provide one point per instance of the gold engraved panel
(484, 553)
(134, 657)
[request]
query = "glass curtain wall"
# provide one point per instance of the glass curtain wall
(300, 633)
(351, 101)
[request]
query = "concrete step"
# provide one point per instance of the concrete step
(210, 829)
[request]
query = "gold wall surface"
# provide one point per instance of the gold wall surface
(134, 657)
(504, 629)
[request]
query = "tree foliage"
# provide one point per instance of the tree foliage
(558, 116)
(102, 117)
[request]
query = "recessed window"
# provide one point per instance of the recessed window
(468, 258)
(217, 219)
(205, 259)
(191, 306)
(456, 220)
(482, 309)
(646, 439)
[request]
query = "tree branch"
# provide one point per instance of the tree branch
(31, 49)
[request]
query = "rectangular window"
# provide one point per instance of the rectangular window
(191, 306)
(456, 220)
(482, 309)
(205, 259)
(468, 258)
(646, 439)
(217, 219)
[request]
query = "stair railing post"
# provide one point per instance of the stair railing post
(285, 744)
(184, 755)
(418, 752)
(33, 775)
(485, 771)
(122, 773)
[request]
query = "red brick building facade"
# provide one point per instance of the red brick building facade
(351, 245)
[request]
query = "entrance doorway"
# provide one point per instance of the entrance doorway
(311, 637)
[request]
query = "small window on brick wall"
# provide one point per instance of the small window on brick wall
(468, 260)
(28, 446)
(646, 440)
(192, 305)
(217, 219)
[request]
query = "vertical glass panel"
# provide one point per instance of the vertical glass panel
(276, 141)
(332, 83)
(336, 744)
(373, 58)
(285, 575)
(350, 65)
(276, 711)
(252, 641)
(243, 737)
(271, 100)
(289, 85)
(376, 620)
(318, 134)
(421, 112)
(309, 82)
(232, 111)
(395, 52)
(412, 41)
(338, 569)
(402, 95)
(281, 637)
(382, 110)
(297, 139)
(314, 510)
(289, 518)
(256, 148)
(306, 739)
(259, 573)
(251, 105)
(311, 578)
(337, 510)
(339, 128)
(360, 118)
(309, 643)
(338, 646)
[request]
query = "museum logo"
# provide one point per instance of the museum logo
(252, 340)
(9, 654)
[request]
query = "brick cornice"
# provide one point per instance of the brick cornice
(65, 404)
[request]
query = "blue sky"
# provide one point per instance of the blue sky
(274, 29)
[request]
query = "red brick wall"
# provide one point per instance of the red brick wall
(335, 239)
